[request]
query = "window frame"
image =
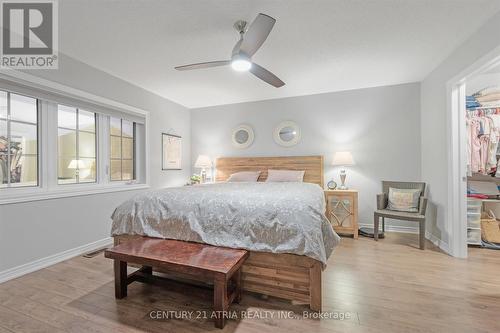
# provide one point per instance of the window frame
(49, 94)
(77, 144)
(37, 124)
(134, 155)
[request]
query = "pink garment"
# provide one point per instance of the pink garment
(491, 163)
(484, 138)
(484, 152)
(479, 196)
(469, 151)
(475, 145)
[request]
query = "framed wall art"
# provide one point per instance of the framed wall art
(171, 152)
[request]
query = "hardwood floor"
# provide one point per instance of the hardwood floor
(385, 286)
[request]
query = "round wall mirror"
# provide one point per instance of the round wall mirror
(243, 136)
(287, 134)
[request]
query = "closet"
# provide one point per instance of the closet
(483, 160)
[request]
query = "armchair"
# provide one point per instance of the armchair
(383, 212)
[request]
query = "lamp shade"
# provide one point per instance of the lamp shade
(203, 162)
(77, 164)
(343, 158)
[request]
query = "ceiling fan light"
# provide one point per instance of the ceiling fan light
(241, 65)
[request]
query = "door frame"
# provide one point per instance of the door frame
(457, 157)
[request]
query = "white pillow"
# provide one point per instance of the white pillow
(285, 176)
(244, 176)
(403, 200)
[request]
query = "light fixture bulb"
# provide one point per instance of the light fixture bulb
(241, 65)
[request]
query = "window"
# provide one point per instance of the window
(76, 146)
(54, 146)
(122, 153)
(18, 140)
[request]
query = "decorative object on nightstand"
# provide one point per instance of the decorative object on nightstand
(195, 179)
(203, 162)
(342, 211)
(332, 185)
(82, 170)
(343, 159)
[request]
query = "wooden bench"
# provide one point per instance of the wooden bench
(218, 265)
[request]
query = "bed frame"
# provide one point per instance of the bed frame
(312, 165)
(289, 276)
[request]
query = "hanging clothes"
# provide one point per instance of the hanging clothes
(483, 137)
(469, 146)
(483, 131)
(492, 162)
(475, 141)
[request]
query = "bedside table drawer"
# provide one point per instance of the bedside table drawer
(342, 211)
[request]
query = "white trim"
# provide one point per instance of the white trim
(18, 271)
(41, 194)
(394, 228)
(457, 223)
(457, 201)
(147, 149)
(438, 242)
(414, 230)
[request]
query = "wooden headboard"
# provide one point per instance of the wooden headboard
(313, 166)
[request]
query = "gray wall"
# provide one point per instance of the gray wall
(381, 126)
(35, 230)
(434, 123)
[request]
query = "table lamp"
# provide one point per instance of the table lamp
(79, 165)
(203, 162)
(343, 159)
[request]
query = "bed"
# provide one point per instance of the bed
(282, 224)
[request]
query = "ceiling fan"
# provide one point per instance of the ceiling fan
(241, 56)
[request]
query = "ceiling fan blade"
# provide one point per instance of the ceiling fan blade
(203, 65)
(257, 34)
(266, 75)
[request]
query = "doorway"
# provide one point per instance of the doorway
(483, 75)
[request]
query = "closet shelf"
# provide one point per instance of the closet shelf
(483, 107)
(489, 200)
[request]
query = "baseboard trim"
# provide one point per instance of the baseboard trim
(438, 242)
(414, 230)
(394, 228)
(21, 270)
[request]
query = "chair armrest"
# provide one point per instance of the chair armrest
(382, 201)
(422, 206)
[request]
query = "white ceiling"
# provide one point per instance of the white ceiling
(315, 46)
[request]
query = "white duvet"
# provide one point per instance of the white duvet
(266, 217)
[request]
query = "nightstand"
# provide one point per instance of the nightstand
(342, 211)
